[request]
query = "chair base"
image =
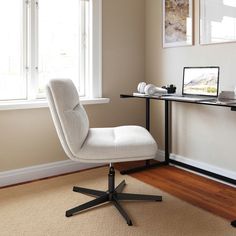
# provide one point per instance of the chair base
(113, 195)
(233, 223)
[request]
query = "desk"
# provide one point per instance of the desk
(168, 100)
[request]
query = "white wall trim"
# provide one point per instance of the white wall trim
(61, 167)
(198, 164)
(42, 103)
(41, 171)
(204, 166)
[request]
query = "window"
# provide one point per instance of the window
(12, 71)
(45, 39)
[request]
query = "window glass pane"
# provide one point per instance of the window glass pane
(59, 38)
(12, 80)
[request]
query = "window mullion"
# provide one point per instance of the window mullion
(25, 65)
(87, 48)
(36, 83)
(96, 48)
(32, 49)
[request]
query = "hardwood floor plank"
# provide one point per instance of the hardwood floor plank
(213, 196)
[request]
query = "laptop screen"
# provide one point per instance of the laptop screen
(203, 81)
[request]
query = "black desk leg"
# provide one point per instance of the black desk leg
(148, 114)
(147, 125)
(147, 162)
(167, 131)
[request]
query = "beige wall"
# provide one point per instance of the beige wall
(200, 133)
(28, 136)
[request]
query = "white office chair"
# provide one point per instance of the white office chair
(97, 145)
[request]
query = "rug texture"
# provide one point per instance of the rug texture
(38, 209)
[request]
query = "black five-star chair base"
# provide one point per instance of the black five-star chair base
(113, 195)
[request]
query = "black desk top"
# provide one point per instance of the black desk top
(169, 98)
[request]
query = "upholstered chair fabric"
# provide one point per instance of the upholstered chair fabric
(123, 143)
(69, 115)
(95, 145)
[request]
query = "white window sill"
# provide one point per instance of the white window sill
(41, 103)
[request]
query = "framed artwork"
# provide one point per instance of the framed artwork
(177, 23)
(217, 21)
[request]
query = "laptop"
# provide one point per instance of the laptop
(199, 84)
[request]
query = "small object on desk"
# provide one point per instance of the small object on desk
(151, 89)
(227, 98)
(144, 89)
(170, 88)
(228, 101)
(141, 87)
(227, 95)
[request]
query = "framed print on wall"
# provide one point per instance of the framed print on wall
(217, 21)
(177, 23)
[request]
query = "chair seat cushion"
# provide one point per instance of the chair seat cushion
(124, 143)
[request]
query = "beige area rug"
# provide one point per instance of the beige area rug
(39, 209)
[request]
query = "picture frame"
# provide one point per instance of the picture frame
(177, 23)
(217, 21)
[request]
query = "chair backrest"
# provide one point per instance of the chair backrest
(69, 116)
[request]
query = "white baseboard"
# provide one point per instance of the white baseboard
(204, 166)
(41, 171)
(61, 167)
(198, 164)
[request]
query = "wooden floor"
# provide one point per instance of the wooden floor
(215, 197)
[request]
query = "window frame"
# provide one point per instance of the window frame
(30, 58)
(97, 49)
